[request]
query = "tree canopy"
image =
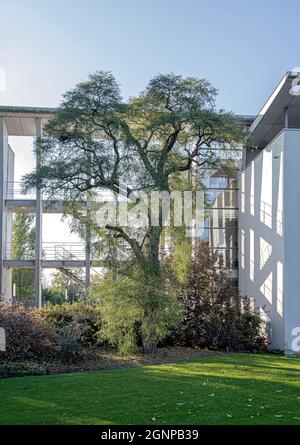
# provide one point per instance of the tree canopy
(96, 139)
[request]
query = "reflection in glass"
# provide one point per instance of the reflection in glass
(219, 179)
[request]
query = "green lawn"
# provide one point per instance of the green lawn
(225, 389)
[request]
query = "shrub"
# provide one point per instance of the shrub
(71, 348)
(120, 313)
(27, 337)
(8, 369)
(81, 319)
(215, 315)
(139, 306)
(64, 333)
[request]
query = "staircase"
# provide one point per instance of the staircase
(64, 254)
(72, 275)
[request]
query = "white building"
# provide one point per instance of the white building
(269, 215)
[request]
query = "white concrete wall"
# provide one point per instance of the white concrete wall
(260, 235)
(291, 200)
(269, 235)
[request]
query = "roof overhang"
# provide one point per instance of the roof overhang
(271, 119)
(21, 121)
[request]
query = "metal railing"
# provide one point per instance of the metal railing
(63, 251)
(50, 251)
(16, 190)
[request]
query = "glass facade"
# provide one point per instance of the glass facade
(220, 186)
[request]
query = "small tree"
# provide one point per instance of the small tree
(23, 248)
(137, 307)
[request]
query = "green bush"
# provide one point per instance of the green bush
(82, 319)
(120, 313)
(136, 307)
(8, 369)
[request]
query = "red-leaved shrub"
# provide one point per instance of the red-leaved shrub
(27, 336)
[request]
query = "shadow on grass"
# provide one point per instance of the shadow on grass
(229, 389)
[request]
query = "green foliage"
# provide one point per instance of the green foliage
(79, 319)
(73, 346)
(22, 369)
(51, 296)
(139, 306)
(254, 331)
(61, 284)
(120, 312)
(95, 139)
(23, 248)
(181, 259)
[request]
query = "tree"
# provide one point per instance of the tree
(63, 286)
(134, 308)
(95, 139)
(51, 296)
(23, 248)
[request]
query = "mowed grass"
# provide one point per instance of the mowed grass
(224, 389)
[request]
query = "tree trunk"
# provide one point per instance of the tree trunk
(149, 348)
(154, 241)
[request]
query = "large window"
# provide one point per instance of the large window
(221, 207)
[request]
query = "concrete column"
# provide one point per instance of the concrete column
(38, 228)
(87, 251)
(1, 207)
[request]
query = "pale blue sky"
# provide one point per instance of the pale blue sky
(242, 47)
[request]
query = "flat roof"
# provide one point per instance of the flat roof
(270, 120)
(20, 121)
(17, 110)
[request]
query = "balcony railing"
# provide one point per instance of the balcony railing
(15, 190)
(50, 251)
